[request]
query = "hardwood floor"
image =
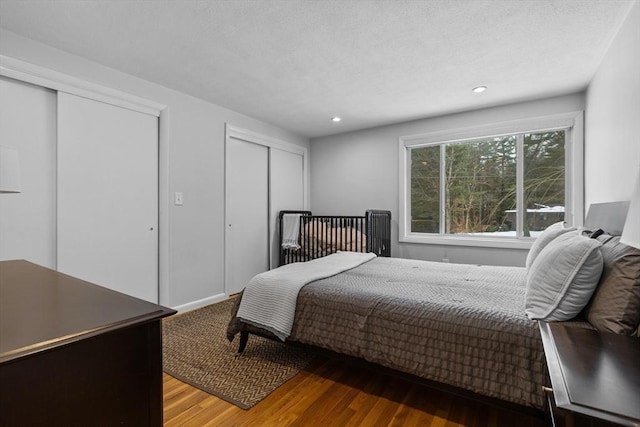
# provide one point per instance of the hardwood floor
(336, 393)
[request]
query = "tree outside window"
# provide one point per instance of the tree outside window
(471, 186)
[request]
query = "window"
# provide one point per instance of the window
(498, 190)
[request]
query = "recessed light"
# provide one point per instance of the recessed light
(479, 89)
(335, 119)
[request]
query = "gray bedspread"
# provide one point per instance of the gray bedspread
(461, 325)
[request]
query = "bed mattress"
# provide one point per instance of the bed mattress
(461, 325)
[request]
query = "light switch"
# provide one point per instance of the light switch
(178, 198)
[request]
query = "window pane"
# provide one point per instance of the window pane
(425, 189)
(544, 183)
(480, 186)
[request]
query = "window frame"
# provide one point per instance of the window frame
(573, 122)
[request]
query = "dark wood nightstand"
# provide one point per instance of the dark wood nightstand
(595, 376)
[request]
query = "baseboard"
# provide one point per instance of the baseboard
(200, 303)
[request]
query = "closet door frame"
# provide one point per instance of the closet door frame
(269, 142)
(51, 79)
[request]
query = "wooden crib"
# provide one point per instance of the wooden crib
(321, 235)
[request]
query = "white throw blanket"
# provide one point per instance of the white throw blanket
(290, 231)
(269, 299)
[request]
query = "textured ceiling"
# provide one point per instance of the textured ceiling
(297, 63)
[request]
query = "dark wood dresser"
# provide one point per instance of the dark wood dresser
(76, 354)
(595, 376)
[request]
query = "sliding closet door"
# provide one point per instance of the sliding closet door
(286, 179)
(247, 212)
(108, 195)
(28, 219)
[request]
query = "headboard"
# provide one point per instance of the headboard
(610, 217)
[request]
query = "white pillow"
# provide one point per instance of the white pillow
(563, 277)
(549, 233)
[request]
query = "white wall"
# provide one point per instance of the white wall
(356, 171)
(28, 219)
(191, 161)
(612, 120)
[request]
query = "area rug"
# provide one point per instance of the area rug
(196, 351)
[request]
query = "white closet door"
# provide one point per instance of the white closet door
(28, 219)
(108, 195)
(247, 213)
(287, 191)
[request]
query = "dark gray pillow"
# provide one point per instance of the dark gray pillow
(615, 305)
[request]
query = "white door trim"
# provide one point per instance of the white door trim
(45, 77)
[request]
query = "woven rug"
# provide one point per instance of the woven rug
(196, 351)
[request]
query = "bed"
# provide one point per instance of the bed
(466, 327)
